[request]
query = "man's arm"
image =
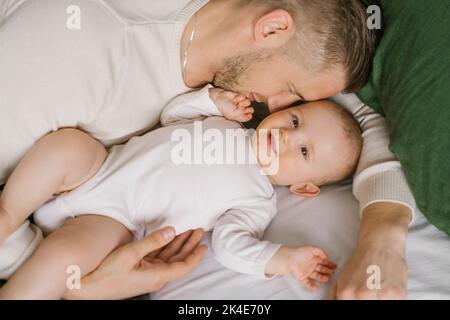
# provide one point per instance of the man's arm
(379, 176)
(381, 244)
(387, 208)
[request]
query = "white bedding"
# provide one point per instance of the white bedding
(330, 221)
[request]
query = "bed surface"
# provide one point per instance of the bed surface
(332, 222)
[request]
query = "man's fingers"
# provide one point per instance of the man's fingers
(154, 254)
(153, 242)
(188, 246)
(175, 246)
(179, 269)
(191, 241)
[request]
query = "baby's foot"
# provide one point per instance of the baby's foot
(308, 264)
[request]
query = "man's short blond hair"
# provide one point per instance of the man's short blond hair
(331, 33)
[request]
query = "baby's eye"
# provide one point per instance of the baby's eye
(304, 152)
(295, 121)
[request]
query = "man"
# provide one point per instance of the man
(109, 67)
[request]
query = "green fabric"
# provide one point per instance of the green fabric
(410, 85)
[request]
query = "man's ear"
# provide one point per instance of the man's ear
(307, 190)
(275, 28)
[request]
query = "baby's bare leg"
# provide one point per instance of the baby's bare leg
(82, 242)
(58, 162)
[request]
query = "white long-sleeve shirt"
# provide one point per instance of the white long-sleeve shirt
(111, 77)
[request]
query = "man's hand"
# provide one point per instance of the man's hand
(143, 266)
(233, 106)
(382, 241)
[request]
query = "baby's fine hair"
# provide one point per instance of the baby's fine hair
(353, 135)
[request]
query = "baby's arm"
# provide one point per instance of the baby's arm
(207, 102)
(236, 240)
(237, 245)
(58, 162)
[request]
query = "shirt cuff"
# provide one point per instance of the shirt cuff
(385, 182)
(208, 104)
(264, 258)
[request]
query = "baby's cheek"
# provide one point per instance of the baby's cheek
(291, 171)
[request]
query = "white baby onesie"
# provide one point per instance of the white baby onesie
(143, 186)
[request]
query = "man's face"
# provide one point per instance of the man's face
(276, 80)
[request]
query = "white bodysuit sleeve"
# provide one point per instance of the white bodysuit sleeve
(185, 108)
(379, 176)
(236, 239)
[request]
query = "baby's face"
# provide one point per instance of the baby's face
(306, 143)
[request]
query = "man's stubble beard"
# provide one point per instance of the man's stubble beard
(236, 69)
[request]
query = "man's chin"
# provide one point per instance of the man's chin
(219, 82)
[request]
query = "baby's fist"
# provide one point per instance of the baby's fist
(232, 105)
(308, 264)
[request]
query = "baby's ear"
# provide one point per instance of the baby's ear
(307, 190)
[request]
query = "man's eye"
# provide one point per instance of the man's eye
(304, 152)
(295, 121)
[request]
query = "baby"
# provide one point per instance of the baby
(100, 201)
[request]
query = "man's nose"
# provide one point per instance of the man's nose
(281, 101)
(259, 98)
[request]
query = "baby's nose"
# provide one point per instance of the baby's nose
(285, 137)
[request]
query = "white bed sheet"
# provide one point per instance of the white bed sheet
(330, 221)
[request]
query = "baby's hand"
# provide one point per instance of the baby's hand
(307, 264)
(232, 105)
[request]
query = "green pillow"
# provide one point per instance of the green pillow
(410, 85)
